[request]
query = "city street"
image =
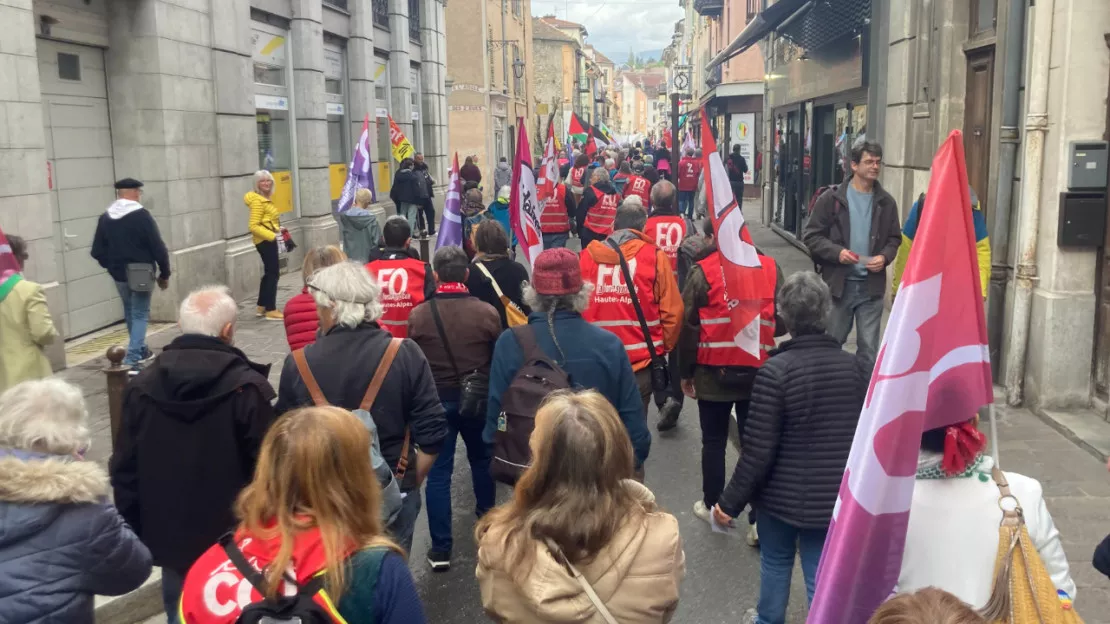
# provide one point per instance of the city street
(722, 577)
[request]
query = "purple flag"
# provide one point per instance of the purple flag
(450, 228)
(359, 174)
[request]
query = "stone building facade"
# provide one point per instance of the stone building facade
(555, 68)
(192, 97)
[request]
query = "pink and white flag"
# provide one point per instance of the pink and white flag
(549, 167)
(688, 143)
(9, 264)
(933, 370)
(524, 211)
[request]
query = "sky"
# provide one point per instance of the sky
(615, 26)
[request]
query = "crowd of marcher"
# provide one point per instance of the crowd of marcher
(301, 501)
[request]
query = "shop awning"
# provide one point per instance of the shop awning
(764, 24)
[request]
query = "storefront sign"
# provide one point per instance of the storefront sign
(835, 68)
(268, 48)
(742, 133)
(271, 102)
(464, 107)
(334, 109)
(468, 87)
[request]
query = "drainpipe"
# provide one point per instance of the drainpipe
(1032, 181)
(1009, 139)
(505, 46)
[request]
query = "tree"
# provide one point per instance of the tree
(631, 58)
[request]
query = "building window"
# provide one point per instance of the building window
(269, 58)
(381, 13)
(414, 20)
(499, 139)
(339, 4)
(69, 66)
(753, 9)
(516, 8)
(333, 71)
(984, 14)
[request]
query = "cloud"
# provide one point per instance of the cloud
(619, 25)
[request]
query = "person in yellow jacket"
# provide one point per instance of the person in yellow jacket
(265, 229)
(909, 230)
(25, 323)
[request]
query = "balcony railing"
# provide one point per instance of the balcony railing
(381, 12)
(709, 8)
(414, 20)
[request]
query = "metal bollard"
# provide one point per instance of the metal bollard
(117, 379)
(427, 246)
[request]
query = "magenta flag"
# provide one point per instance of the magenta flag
(450, 228)
(360, 174)
(933, 370)
(524, 216)
(9, 265)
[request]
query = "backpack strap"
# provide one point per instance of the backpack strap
(635, 298)
(372, 393)
(308, 378)
(526, 338)
(256, 579)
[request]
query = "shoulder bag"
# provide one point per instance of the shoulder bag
(1023, 592)
(660, 374)
(513, 314)
(474, 387)
(140, 276)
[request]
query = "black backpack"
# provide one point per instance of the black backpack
(299, 608)
(536, 379)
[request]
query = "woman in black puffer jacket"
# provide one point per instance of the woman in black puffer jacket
(805, 404)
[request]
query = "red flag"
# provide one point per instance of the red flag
(667, 137)
(591, 147)
(745, 285)
(933, 370)
(524, 214)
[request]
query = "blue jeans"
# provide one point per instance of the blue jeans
(172, 581)
(136, 313)
(551, 241)
(438, 488)
(686, 203)
(778, 541)
(856, 304)
(409, 212)
(402, 527)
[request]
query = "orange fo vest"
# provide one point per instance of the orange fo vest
(716, 344)
(602, 214)
(640, 187)
(402, 283)
(667, 232)
(576, 176)
(554, 218)
(611, 304)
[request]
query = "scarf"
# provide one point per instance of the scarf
(452, 288)
(931, 466)
(8, 285)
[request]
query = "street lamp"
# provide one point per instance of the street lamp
(518, 68)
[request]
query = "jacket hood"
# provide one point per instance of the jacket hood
(359, 220)
(630, 242)
(123, 207)
(502, 166)
(550, 590)
(35, 487)
(194, 372)
(606, 186)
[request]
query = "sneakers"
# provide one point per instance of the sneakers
(701, 511)
(259, 311)
(750, 617)
(753, 537)
(274, 315)
(440, 561)
(668, 415)
(148, 355)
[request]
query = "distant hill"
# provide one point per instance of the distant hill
(650, 55)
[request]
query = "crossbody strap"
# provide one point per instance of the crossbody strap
(635, 299)
(372, 393)
(314, 390)
(443, 338)
(586, 587)
(1014, 516)
(255, 578)
(485, 271)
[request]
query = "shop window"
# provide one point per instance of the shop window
(269, 58)
(333, 70)
(381, 86)
(339, 4)
(69, 66)
(984, 14)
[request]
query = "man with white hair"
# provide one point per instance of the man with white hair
(192, 424)
(343, 360)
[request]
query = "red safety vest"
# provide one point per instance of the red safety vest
(402, 283)
(668, 232)
(640, 187)
(576, 176)
(611, 304)
(554, 218)
(688, 171)
(716, 344)
(602, 214)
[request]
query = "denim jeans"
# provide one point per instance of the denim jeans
(686, 203)
(778, 541)
(404, 524)
(551, 241)
(409, 212)
(856, 304)
(438, 488)
(136, 313)
(715, 417)
(172, 581)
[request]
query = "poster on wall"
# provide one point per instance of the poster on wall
(743, 134)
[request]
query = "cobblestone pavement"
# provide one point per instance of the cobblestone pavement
(722, 573)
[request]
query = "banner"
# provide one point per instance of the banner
(9, 264)
(743, 134)
(450, 228)
(402, 149)
(524, 214)
(933, 370)
(549, 168)
(359, 174)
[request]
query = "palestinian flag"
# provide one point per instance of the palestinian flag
(578, 129)
(588, 134)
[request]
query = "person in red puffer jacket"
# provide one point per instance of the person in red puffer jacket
(301, 321)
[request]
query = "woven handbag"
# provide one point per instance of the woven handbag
(1023, 592)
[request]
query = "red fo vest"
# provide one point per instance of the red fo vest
(576, 176)
(640, 187)
(668, 232)
(716, 344)
(611, 305)
(402, 282)
(602, 214)
(554, 219)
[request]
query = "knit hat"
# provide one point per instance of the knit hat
(557, 272)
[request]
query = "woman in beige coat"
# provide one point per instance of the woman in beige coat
(577, 508)
(25, 324)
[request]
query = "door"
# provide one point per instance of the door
(792, 168)
(977, 120)
(1102, 337)
(79, 155)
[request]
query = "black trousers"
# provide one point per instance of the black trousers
(267, 287)
(715, 417)
(676, 383)
(586, 235)
(427, 216)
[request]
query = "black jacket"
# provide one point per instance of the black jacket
(343, 362)
(1101, 560)
(510, 276)
(806, 402)
(192, 425)
(422, 173)
(132, 238)
(408, 187)
(589, 199)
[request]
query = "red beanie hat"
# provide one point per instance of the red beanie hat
(557, 272)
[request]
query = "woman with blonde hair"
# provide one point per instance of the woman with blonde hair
(310, 526)
(265, 227)
(581, 541)
(302, 322)
(927, 606)
(361, 233)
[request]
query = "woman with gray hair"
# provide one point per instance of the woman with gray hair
(61, 540)
(805, 404)
(265, 227)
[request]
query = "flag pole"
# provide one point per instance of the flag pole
(994, 434)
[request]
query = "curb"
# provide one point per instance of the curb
(134, 607)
